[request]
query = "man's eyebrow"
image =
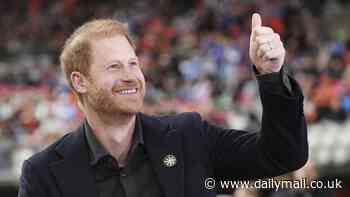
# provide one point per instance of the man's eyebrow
(133, 58)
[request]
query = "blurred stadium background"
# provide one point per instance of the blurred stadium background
(194, 54)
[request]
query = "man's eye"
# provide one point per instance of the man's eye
(114, 66)
(134, 64)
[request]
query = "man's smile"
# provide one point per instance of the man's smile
(128, 91)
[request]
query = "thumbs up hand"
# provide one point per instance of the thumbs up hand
(266, 49)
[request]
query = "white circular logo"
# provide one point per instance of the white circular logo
(169, 161)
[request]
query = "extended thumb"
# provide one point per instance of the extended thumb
(256, 21)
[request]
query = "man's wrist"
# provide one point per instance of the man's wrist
(277, 82)
(258, 71)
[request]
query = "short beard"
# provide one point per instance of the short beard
(102, 103)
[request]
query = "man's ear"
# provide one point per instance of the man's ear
(79, 82)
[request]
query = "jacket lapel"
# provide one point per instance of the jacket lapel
(73, 174)
(161, 141)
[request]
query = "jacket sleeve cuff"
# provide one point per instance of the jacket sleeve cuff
(277, 83)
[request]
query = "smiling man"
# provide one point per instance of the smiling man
(119, 151)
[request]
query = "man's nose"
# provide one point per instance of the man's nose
(127, 76)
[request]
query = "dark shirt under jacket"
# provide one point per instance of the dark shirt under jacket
(135, 179)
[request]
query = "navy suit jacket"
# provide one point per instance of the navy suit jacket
(202, 150)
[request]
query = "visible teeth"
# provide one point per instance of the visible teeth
(129, 91)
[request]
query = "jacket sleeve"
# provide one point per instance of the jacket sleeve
(29, 185)
(281, 145)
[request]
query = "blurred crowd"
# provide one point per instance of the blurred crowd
(194, 55)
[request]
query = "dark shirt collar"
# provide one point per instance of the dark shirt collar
(98, 151)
